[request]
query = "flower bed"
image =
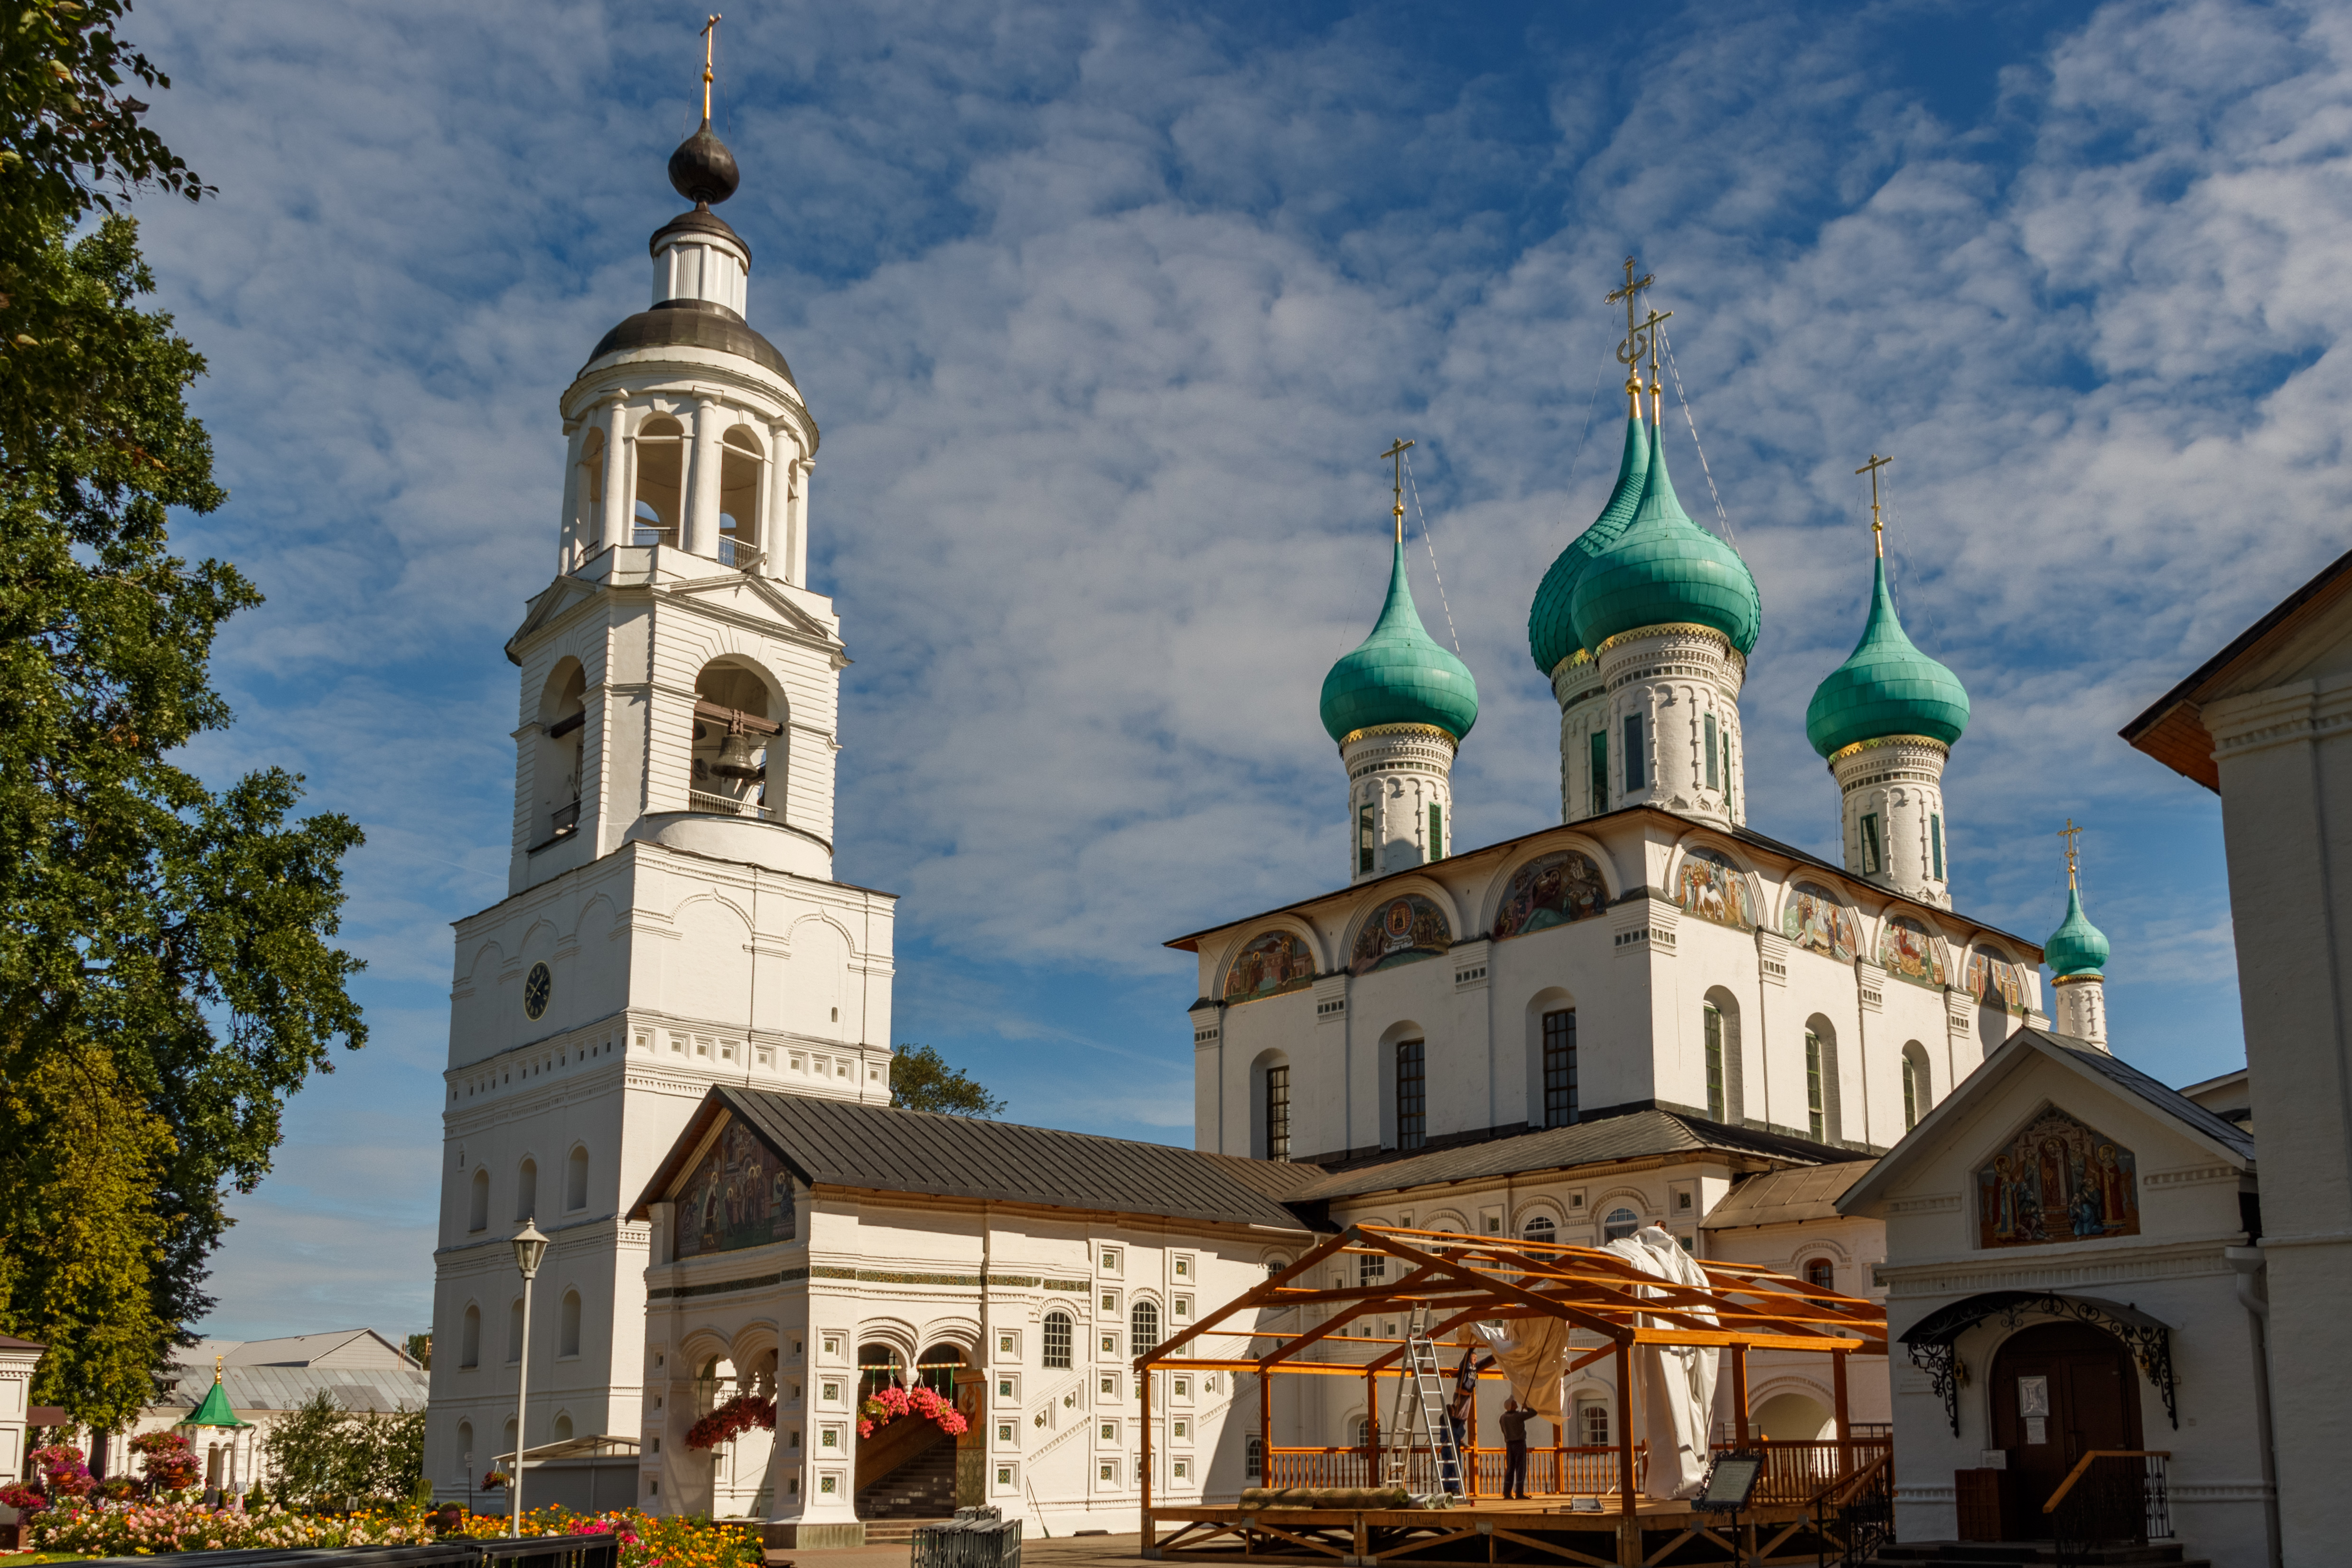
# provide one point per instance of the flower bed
(139, 1528)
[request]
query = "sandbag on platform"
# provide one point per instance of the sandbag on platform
(1329, 1496)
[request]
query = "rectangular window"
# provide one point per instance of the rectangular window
(1254, 1458)
(1715, 1097)
(1363, 838)
(1870, 853)
(1559, 1068)
(1714, 778)
(1936, 841)
(1412, 1096)
(1910, 1094)
(1436, 832)
(1599, 772)
(1813, 1121)
(1592, 1424)
(1632, 752)
(1727, 772)
(1278, 1113)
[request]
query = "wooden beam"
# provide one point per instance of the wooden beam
(1626, 1486)
(1740, 1395)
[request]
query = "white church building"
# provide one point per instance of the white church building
(670, 1042)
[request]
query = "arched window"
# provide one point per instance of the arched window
(739, 469)
(576, 1180)
(590, 512)
(526, 1191)
(1539, 1228)
(514, 1330)
(1411, 1094)
(1620, 1224)
(1144, 1324)
(477, 1210)
(1372, 1267)
(1719, 1040)
(511, 1450)
(1055, 1339)
(1821, 1119)
(561, 753)
(661, 480)
(1560, 1066)
(737, 754)
(1713, 1021)
(1820, 1273)
(1278, 1111)
(470, 1340)
(466, 1444)
(1917, 1096)
(936, 1368)
(567, 1339)
(563, 1432)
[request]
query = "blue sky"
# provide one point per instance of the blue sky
(1104, 311)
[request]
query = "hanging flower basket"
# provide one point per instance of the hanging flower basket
(732, 1420)
(895, 1404)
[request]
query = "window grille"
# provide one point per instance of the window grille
(1254, 1458)
(1870, 849)
(1714, 1096)
(1057, 1338)
(1620, 1224)
(1910, 1091)
(1411, 1095)
(1936, 841)
(1820, 1273)
(1144, 1320)
(1599, 755)
(1436, 832)
(1559, 1068)
(1539, 1228)
(1372, 1267)
(1592, 1417)
(1278, 1113)
(1632, 752)
(1364, 837)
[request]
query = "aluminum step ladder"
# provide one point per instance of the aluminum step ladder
(1418, 1419)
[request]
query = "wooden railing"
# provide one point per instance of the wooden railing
(1794, 1471)
(1797, 1470)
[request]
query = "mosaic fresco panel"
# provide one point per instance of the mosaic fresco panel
(1272, 966)
(1996, 982)
(1550, 890)
(1403, 930)
(1712, 888)
(2057, 1181)
(738, 1194)
(1909, 951)
(1815, 920)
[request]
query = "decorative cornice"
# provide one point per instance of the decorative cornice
(1674, 629)
(2086, 977)
(1415, 731)
(1927, 740)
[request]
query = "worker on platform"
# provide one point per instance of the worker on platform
(1515, 1450)
(1463, 1408)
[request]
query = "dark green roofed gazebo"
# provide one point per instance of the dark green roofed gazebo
(216, 1411)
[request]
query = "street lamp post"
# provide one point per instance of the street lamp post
(529, 1246)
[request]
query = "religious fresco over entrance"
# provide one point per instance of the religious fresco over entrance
(1712, 888)
(738, 1194)
(1996, 982)
(1273, 965)
(2057, 1181)
(1550, 890)
(1909, 952)
(1403, 930)
(1816, 921)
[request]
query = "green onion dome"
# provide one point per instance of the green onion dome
(1666, 570)
(1885, 687)
(2076, 947)
(1551, 630)
(1399, 674)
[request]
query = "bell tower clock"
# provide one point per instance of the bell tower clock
(672, 919)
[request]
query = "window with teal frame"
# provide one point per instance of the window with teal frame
(1599, 772)
(1936, 840)
(1436, 831)
(1364, 837)
(1813, 1118)
(1714, 779)
(1632, 752)
(1869, 850)
(1715, 1102)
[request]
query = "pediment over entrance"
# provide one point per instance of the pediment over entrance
(2056, 1180)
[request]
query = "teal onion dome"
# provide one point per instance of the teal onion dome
(1399, 674)
(1885, 687)
(1552, 629)
(1664, 570)
(2076, 947)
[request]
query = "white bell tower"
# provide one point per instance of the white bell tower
(672, 920)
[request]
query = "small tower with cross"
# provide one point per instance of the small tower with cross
(2076, 954)
(1399, 706)
(1885, 722)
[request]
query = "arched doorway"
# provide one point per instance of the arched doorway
(879, 1366)
(2081, 1381)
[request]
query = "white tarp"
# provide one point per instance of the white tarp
(1533, 1353)
(1673, 1384)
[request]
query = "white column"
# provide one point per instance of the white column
(618, 523)
(798, 504)
(571, 541)
(775, 503)
(700, 534)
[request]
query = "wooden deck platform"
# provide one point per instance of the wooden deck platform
(1660, 1533)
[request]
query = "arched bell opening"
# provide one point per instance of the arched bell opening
(737, 750)
(660, 499)
(743, 465)
(563, 761)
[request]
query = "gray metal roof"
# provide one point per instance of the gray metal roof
(1800, 1194)
(269, 1388)
(835, 1142)
(1635, 1135)
(2169, 1101)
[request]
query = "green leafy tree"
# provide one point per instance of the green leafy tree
(304, 1448)
(175, 933)
(921, 1080)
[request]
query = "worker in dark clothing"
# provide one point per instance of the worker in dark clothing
(1463, 1408)
(1515, 1450)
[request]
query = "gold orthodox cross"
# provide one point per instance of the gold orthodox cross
(709, 36)
(1877, 528)
(1396, 453)
(1629, 352)
(2072, 836)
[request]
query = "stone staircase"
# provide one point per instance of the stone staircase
(920, 1491)
(2027, 1555)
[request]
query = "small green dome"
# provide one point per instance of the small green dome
(1399, 674)
(1885, 687)
(1552, 629)
(2076, 947)
(1665, 569)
